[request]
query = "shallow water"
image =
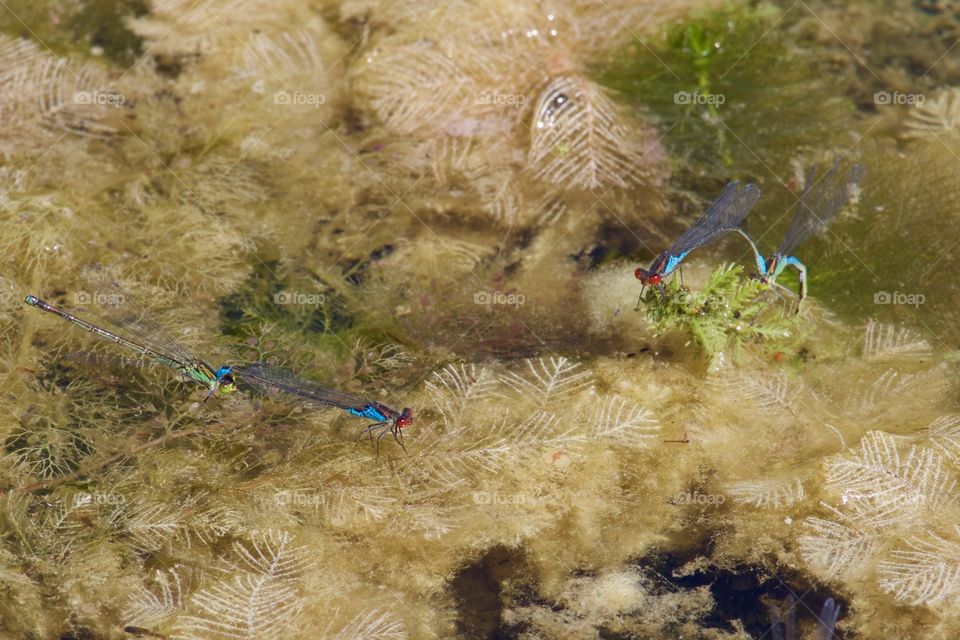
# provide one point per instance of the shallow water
(441, 206)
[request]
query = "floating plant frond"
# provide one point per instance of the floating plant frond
(450, 458)
(836, 548)
(258, 598)
(895, 391)
(149, 607)
(887, 487)
(549, 380)
(150, 525)
(467, 383)
(887, 341)
(413, 86)
(46, 453)
(37, 88)
(219, 181)
(944, 434)
(207, 524)
(45, 529)
(347, 506)
(927, 573)
(274, 61)
(375, 624)
(767, 494)
(616, 420)
(188, 29)
(578, 140)
(456, 387)
(940, 114)
(769, 390)
(547, 428)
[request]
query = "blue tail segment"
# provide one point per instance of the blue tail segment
(370, 412)
(673, 262)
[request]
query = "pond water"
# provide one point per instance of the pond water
(441, 206)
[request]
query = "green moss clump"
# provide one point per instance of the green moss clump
(726, 313)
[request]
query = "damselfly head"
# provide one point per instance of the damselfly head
(405, 419)
(227, 383)
(647, 277)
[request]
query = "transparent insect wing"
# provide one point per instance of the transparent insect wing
(109, 305)
(268, 377)
(724, 214)
(821, 202)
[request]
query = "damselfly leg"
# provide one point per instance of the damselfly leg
(381, 429)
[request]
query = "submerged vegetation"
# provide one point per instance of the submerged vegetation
(441, 205)
(731, 93)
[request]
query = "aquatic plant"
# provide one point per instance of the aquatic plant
(723, 315)
(939, 115)
(43, 96)
(504, 68)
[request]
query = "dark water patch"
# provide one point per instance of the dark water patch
(356, 268)
(480, 590)
(612, 242)
(743, 592)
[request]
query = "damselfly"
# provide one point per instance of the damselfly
(724, 214)
(386, 420)
(123, 322)
(820, 203)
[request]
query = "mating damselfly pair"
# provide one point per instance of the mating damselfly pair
(819, 204)
(128, 325)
